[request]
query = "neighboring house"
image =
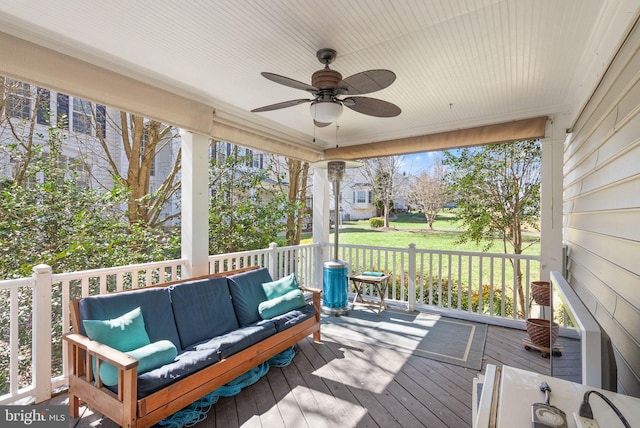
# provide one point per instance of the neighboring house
(357, 196)
(83, 125)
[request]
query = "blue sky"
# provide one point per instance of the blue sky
(416, 163)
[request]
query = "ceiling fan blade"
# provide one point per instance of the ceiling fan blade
(372, 106)
(368, 81)
(283, 104)
(286, 81)
(320, 124)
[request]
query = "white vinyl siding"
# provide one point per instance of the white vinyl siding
(602, 209)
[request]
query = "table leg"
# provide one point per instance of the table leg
(358, 294)
(381, 293)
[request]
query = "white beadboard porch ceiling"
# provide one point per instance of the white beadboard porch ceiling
(459, 63)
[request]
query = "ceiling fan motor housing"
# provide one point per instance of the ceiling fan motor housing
(326, 79)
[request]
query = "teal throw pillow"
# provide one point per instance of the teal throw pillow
(149, 357)
(281, 305)
(124, 333)
(280, 287)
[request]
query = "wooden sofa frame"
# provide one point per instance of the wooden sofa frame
(125, 409)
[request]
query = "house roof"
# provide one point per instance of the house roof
(459, 64)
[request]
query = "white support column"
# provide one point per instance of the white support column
(195, 203)
(321, 187)
(41, 340)
(551, 199)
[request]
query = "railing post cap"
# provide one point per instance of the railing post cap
(41, 268)
(273, 245)
(412, 245)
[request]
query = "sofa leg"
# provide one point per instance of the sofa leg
(74, 406)
(316, 336)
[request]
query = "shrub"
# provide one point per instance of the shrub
(376, 222)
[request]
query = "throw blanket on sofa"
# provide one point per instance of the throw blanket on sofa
(197, 411)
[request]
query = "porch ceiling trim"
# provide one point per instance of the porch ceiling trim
(48, 68)
(517, 130)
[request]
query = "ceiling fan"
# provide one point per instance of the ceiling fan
(327, 85)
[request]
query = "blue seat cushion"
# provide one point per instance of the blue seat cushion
(155, 304)
(202, 310)
(291, 318)
(149, 357)
(237, 340)
(247, 293)
(186, 363)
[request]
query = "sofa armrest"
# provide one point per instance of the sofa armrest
(102, 352)
(315, 298)
(82, 352)
(311, 290)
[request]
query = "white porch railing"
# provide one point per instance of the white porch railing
(462, 281)
(34, 361)
(35, 315)
(281, 261)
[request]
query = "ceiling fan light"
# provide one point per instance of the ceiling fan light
(325, 111)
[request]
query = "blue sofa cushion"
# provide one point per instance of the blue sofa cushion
(155, 304)
(186, 363)
(149, 357)
(237, 340)
(202, 310)
(280, 287)
(291, 318)
(247, 293)
(281, 305)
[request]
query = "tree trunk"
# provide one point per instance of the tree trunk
(298, 174)
(387, 210)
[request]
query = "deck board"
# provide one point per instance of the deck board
(341, 383)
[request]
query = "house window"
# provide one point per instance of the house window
(42, 115)
(361, 197)
(62, 102)
(81, 116)
(258, 161)
(18, 98)
(309, 201)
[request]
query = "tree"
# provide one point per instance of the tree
(56, 219)
(298, 176)
(246, 212)
(22, 144)
(141, 140)
(385, 175)
(498, 194)
(430, 193)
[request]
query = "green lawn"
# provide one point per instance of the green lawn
(412, 228)
(438, 271)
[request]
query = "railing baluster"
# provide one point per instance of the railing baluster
(449, 282)
(14, 340)
(491, 291)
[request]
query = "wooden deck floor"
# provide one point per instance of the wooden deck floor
(342, 384)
